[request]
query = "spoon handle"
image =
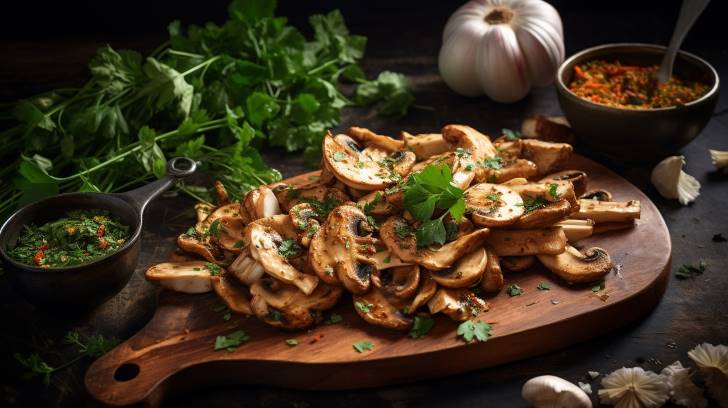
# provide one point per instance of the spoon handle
(177, 168)
(689, 12)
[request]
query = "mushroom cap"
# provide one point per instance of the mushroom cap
(368, 168)
(367, 137)
(517, 263)
(545, 216)
(264, 237)
(400, 282)
(235, 296)
(286, 307)
(383, 310)
(405, 247)
(475, 148)
(578, 267)
(493, 276)
(518, 168)
(186, 277)
(468, 271)
(577, 178)
(458, 304)
(548, 128)
(228, 210)
(548, 391)
(425, 145)
(202, 210)
(599, 195)
(231, 237)
(527, 242)
(306, 220)
(290, 196)
(202, 248)
(493, 205)
(548, 156)
(425, 291)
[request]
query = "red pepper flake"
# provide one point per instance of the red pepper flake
(38, 258)
(101, 231)
(103, 244)
(316, 338)
(43, 247)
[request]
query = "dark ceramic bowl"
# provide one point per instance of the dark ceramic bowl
(90, 283)
(632, 135)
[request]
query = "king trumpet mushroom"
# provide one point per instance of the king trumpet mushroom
(501, 48)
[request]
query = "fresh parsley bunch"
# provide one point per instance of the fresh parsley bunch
(215, 93)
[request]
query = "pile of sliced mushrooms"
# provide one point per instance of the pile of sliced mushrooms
(287, 253)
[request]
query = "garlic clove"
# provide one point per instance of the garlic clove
(502, 69)
(672, 182)
(719, 159)
(457, 59)
(634, 388)
(683, 390)
(713, 363)
(586, 387)
(548, 391)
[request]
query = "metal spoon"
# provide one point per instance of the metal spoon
(689, 12)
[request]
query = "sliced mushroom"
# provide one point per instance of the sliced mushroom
(458, 304)
(286, 307)
(202, 248)
(228, 210)
(341, 250)
(508, 150)
(517, 263)
(576, 229)
(375, 203)
(608, 211)
(554, 191)
(548, 156)
(501, 172)
(221, 192)
(231, 237)
(246, 269)
(577, 178)
(545, 216)
(577, 267)
(202, 210)
(305, 218)
(599, 195)
(493, 276)
(385, 260)
(468, 271)
(259, 203)
(548, 128)
(376, 308)
(264, 237)
(235, 296)
(425, 145)
(404, 245)
(473, 147)
(493, 205)
(425, 291)
(612, 226)
(186, 277)
(527, 242)
(326, 197)
(400, 282)
(369, 168)
(437, 160)
(367, 137)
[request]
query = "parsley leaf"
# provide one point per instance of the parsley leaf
(214, 269)
(531, 204)
(334, 318)
(553, 187)
(598, 286)
(291, 342)
(231, 341)
(364, 307)
(363, 345)
(494, 163)
(687, 271)
(514, 290)
(470, 330)
(338, 156)
(289, 248)
(544, 286)
(511, 134)
(214, 228)
(421, 326)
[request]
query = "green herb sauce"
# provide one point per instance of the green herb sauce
(82, 236)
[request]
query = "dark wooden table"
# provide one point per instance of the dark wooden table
(403, 37)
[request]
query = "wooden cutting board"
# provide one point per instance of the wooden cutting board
(174, 351)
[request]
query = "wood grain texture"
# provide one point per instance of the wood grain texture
(174, 351)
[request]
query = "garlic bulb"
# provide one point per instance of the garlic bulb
(713, 363)
(719, 159)
(672, 182)
(683, 390)
(548, 391)
(501, 48)
(634, 388)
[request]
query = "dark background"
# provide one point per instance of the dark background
(44, 45)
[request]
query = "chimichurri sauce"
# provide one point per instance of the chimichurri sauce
(80, 237)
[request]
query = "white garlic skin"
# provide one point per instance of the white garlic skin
(719, 159)
(713, 364)
(549, 391)
(683, 390)
(672, 182)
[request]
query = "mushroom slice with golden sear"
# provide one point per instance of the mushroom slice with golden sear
(468, 271)
(542, 214)
(458, 304)
(493, 205)
(400, 282)
(375, 203)
(493, 276)
(186, 277)
(271, 241)
(400, 239)
(497, 170)
(305, 218)
(608, 211)
(425, 291)
(379, 309)
(517, 263)
(549, 192)
(368, 168)
(385, 260)
(471, 149)
(577, 178)
(259, 203)
(548, 156)
(228, 210)
(246, 269)
(576, 229)
(202, 210)
(548, 128)
(425, 145)
(598, 195)
(322, 197)
(221, 192)
(235, 296)
(527, 242)
(230, 236)
(286, 307)
(367, 138)
(211, 253)
(576, 266)
(341, 250)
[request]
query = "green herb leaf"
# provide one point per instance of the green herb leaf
(289, 248)
(687, 271)
(553, 187)
(421, 326)
(511, 135)
(544, 286)
(364, 307)
(493, 163)
(214, 269)
(531, 204)
(469, 330)
(598, 286)
(291, 342)
(514, 290)
(334, 318)
(231, 341)
(361, 346)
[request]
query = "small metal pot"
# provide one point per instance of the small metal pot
(90, 283)
(637, 135)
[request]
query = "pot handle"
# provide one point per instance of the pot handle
(177, 168)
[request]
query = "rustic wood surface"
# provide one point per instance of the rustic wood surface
(177, 343)
(45, 48)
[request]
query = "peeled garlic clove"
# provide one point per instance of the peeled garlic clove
(548, 391)
(683, 390)
(634, 387)
(713, 364)
(672, 182)
(719, 159)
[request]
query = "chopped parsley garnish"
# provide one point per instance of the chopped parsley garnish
(275, 315)
(493, 196)
(291, 342)
(514, 290)
(214, 269)
(687, 271)
(402, 229)
(469, 330)
(289, 248)
(544, 286)
(322, 209)
(462, 152)
(387, 259)
(421, 326)
(531, 204)
(494, 163)
(364, 307)
(553, 187)
(363, 345)
(239, 244)
(598, 286)
(511, 134)
(338, 156)
(292, 193)
(368, 207)
(231, 341)
(334, 318)
(214, 229)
